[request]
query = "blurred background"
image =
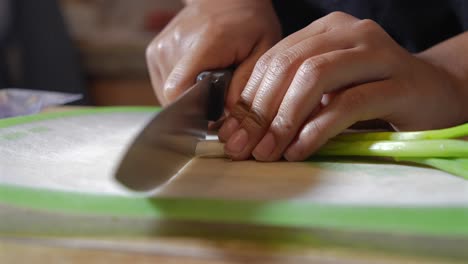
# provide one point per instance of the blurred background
(92, 47)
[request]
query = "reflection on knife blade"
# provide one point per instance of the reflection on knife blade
(169, 140)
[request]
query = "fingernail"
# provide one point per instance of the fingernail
(228, 128)
(237, 142)
(264, 149)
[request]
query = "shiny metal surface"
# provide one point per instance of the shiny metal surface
(169, 140)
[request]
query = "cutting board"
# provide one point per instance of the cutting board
(54, 166)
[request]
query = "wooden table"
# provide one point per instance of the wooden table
(180, 250)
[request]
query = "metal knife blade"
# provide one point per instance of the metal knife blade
(169, 140)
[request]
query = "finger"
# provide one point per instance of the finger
(240, 110)
(186, 70)
(238, 83)
(243, 72)
(364, 102)
(323, 25)
(269, 80)
(316, 76)
(316, 28)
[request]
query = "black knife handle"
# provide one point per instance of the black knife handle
(220, 81)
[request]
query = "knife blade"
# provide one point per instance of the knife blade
(169, 140)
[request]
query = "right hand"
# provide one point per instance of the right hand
(209, 35)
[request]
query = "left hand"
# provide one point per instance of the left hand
(322, 79)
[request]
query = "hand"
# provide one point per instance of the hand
(322, 79)
(209, 35)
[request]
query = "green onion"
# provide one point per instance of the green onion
(447, 133)
(439, 149)
(418, 148)
(455, 166)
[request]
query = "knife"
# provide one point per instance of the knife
(169, 140)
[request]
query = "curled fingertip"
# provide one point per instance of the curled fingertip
(265, 148)
(228, 128)
(237, 143)
(295, 152)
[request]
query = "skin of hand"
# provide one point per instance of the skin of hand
(335, 72)
(210, 35)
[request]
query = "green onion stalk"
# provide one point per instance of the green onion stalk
(443, 149)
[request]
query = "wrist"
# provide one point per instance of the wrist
(456, 77)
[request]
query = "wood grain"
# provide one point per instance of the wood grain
(190, 251)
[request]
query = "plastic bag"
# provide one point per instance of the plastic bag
(18, 102)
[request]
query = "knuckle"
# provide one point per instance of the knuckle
(153, 50)
(241, 108)
(178, 38)
(256, 119)
(334, 20)
(281, 63)
(283, 127)
(314, 67)
(262, 64)
(320, 25)
(338, 15)
(367, 27)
